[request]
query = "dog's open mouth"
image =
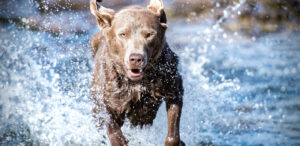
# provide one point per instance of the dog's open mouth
(135, 73)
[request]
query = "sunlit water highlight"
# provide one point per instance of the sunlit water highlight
(238, 90)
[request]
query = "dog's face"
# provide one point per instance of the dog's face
(135, 36)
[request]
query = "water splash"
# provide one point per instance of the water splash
(227, 12)
(237, 91)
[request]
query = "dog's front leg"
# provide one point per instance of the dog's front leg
(174, 113)
(115, 134)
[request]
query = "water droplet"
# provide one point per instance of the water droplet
(270, 116)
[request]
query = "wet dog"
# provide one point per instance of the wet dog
(135, 70)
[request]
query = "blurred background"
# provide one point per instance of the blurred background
(240, 61)
(253, 16)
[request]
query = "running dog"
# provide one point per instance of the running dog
(134, 70)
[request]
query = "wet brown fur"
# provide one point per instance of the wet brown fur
(119, 97)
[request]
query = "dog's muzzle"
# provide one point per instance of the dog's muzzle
(136, 65)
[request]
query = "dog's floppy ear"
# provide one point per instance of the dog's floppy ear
(157, 7)
(104, 15)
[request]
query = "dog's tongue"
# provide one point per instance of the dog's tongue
(134, 73)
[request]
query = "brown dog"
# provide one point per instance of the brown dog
(135, 70)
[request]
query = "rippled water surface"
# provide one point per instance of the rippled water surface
(239, 90)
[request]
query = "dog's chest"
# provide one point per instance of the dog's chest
(143, 107)
(142, 93)
(121, 97)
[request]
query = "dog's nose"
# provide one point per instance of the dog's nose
(136, 59)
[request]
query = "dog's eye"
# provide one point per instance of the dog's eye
(123, 35)
(148, 35)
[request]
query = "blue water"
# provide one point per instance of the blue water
(239, 89)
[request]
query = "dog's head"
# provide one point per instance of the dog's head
(135, 35)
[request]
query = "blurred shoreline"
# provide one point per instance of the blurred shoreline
(251, 17)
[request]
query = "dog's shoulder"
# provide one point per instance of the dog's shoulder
(167, 79)
(168, 61)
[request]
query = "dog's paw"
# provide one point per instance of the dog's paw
(173, 142)
(119, 140)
